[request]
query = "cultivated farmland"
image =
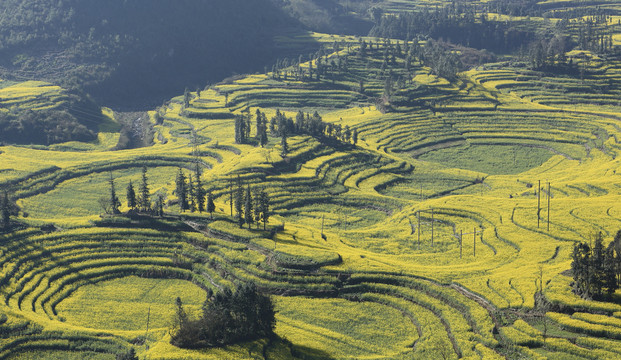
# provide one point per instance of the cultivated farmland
(431, 237)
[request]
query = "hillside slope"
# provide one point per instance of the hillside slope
(136, 54)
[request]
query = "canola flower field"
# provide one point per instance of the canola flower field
(432, 244)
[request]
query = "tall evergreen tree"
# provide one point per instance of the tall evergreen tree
(186, 98)
(211, 206)
(144, 200)
(131, 196)
(259, 123)
(248, 213)
(299, 121)
(597, 265)
(239, 203)
(114, 200)
(610, 284)
(354, 136)
(240, 129)
(181, 190)
(284, 148)
(264, 202)
(159, 205)
(257, 207)
(191, 194)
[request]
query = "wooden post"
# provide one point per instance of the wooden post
(549, 195)
(461, 234)
(432, 227)
(538, 202)
(474, 244)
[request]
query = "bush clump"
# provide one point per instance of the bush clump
(228, 317)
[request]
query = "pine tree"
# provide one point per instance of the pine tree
(211, 206)
(257, 207)
(354, 136)
(597, 265)
(264, 202)
(191, 194)
(114, 200)
(248, 213)
(259, 123)
(181, 190)
(186, 98)
(131, 196)
(159, 205)
(144, 200)
(299, 122)
(239, 203)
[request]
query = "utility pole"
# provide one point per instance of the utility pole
(432, 221)
(538, 202)
(549, 195)
(474, 244)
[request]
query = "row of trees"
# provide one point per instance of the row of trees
(250, 206)
(282, 126)
(596, 269)
(228, 317)
(190, 192)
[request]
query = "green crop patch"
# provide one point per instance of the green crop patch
(490, 159)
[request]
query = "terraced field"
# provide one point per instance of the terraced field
(422, 241)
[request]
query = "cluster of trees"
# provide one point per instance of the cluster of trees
(228, 317)
(546, 54)
(42, 127)
(191, 193)
(75, 118)
(140, 201)
(456, 24)
(249, 208)
(282, 126)
(596, 270)
(8, 208)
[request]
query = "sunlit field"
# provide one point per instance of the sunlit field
(423, 240)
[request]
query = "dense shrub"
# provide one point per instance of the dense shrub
(228, 317)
